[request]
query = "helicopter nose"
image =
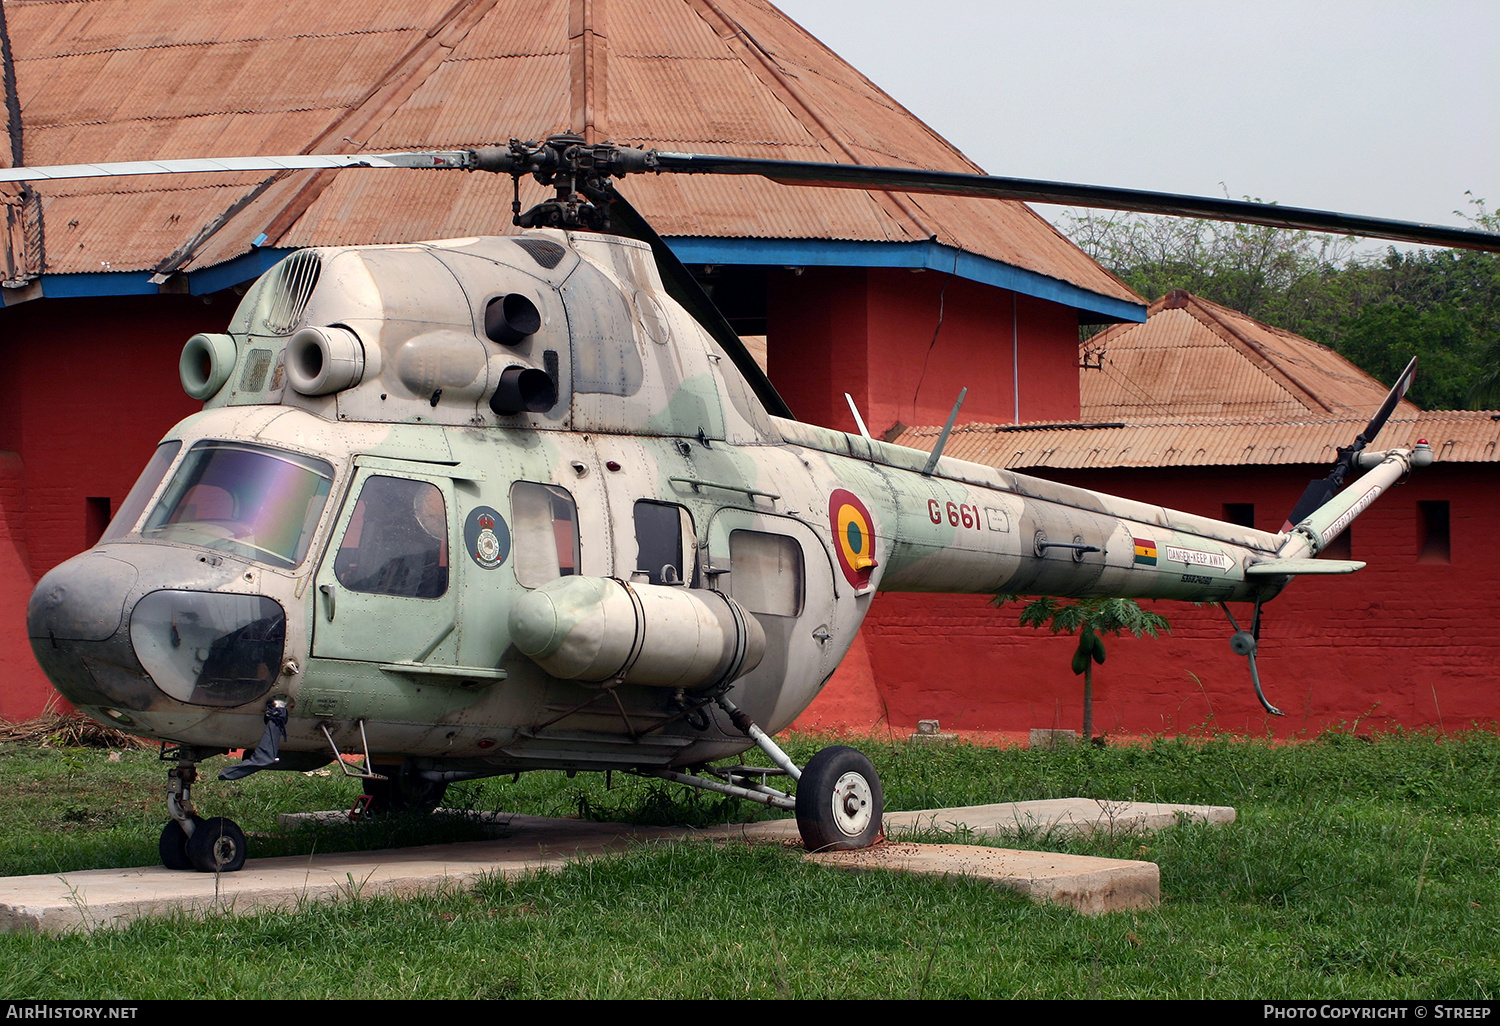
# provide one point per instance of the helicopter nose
(76, 621)
(104, 642)
(80, 600)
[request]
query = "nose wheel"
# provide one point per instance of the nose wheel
(188, 841)
(217, 846)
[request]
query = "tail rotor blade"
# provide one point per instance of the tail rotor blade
(1319, 492)
(1316, 493)
(1396, 394)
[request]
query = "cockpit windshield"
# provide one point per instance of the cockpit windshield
(253, 501)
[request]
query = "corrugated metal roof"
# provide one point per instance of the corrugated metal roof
(1456, 436)
(1193, 358)
(118, 80)
(1198, 385)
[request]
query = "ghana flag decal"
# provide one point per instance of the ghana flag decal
(853, 536)
(1145, 552)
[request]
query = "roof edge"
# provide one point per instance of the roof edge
(245, 267)
(929, 255)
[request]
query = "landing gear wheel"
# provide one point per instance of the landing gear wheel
(402, 791)
(217, 846)
(840, 806)
(173, 845)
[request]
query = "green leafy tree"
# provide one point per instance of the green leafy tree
(1088, 618)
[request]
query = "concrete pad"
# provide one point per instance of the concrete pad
(1082, 882)
(1053, 817)
(111, 897)
(97, 898)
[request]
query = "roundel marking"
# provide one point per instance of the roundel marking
(853, 536)
(486, 537)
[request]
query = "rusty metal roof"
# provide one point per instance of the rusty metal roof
(132, 79)
(1193, 358)
(1456, 436)
(1199, 385)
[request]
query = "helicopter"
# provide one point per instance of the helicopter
(488, 505)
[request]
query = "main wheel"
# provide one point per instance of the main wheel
(173, 845)
(403, 791)
(217, 846)
(840, 806)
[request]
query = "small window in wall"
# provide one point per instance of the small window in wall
(95, 519)
(765, 572)
(1432, 532)
(1241, 513)
(397, 541)
(666, 544)
(546, 532)
(1341, 547)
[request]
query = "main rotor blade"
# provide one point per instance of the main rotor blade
(796, 172)
(953, 183)
(192, 165)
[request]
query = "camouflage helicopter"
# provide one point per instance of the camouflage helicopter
(486, 505)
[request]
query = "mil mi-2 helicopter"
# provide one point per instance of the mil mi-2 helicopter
(486, 505)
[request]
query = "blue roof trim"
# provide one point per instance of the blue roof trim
(773, 252)
(138, 283)
(104, 283)
(933, 256)
(242, 268)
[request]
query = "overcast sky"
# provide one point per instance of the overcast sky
(1364, 106)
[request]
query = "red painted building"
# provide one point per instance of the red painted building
(898, 300)
(1204, 410)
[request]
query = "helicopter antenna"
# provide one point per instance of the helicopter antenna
(857, 418)
(942, 441)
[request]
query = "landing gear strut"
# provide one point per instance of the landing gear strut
(188, 841)
(839, 802)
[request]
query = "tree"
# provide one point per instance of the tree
(1089, 618)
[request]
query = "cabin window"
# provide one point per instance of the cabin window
(666, 544)
(397, 540)
(546, 533)
(1432, 532)
(766, 573)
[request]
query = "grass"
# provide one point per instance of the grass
(1358, 868)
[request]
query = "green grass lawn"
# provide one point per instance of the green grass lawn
(1357, 869)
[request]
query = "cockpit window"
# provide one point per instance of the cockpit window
(145, 487)
(253, 501)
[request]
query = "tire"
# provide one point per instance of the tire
(402, 791)
(173, 845)
(217, 846)
(840, 806)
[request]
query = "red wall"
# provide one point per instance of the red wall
(870, 332)
(1400, 642)
(90, 386)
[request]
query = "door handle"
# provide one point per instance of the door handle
(328, 602)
